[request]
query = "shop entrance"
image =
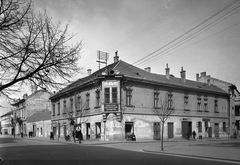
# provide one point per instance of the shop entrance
(186, 129)
(129, 129)
(98, 130)
(88, 131)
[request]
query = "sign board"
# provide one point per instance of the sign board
(110, 107)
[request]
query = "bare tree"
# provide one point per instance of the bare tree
(33, 50)
(164, 110)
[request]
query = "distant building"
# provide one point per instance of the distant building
(234, 114)
(119, 100)
(6, 124)
(26, 107)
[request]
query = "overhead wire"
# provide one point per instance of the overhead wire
(184, 36)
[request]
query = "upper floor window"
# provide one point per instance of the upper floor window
(79, 103)
(156, 99)
(129, 97)
(107, 95)
(71, 104)
(58, 108)
(205, 103)
(186, 101)
(64, 106)
(170, 102)
(97, 98)
(111, 95)
(53, 109)
(87, 100)
(216, 105)
(199, 101)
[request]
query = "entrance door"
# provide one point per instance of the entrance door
(98, 130)
(170, 130)
(216, 130)
(58, 129)
(156, 130)
(88, 130)
(34, 131)
(186, 129)
(129, 129)
(65, 130)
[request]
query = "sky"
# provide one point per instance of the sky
(143, 31)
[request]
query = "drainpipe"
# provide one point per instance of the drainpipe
(229, 114)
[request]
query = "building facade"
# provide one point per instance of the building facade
(234, 99)
(120, 99)
(6, 124)
(26, 107)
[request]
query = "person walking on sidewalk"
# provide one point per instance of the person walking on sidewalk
(194, 134)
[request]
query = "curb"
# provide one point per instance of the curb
(192, 156)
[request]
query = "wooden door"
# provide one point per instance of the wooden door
(156, 131)
(170, 130)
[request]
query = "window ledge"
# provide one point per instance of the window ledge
(156, 108)
(186, 109)
(87, 108)
(216, 111)
(96, 107)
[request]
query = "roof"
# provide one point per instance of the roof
(40, 116)
(130, 71)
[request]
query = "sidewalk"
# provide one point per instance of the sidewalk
(219, 149)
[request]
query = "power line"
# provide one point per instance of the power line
(193, 32)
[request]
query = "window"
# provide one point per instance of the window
(170, 101)
(199, 124)
(87, 100)
(156, 99)
(71, 104)
(58, 108)
(64, 106)
(199, 100)
(186, 101)
(224, 128)
(205, 103)
(129, 97)
(41, 130)
(97, 98)
(216, 105)
(114, 95)
(107, 95)
(79, 103)
(53, 109)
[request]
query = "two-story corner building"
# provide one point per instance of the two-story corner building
(26, 107)
(234, 99)
(120, 98)
(6, 123)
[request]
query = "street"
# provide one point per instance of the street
(25, 151)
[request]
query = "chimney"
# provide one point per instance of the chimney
(89, 71)
(167, 72)
(116, 58)
(148, 69)
(203, 74)
(209, 82)
(183, 75)
(197, 77)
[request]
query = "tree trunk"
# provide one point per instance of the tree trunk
(162, 136)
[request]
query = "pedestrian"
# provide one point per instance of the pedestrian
(51, 136)
(194, 134)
